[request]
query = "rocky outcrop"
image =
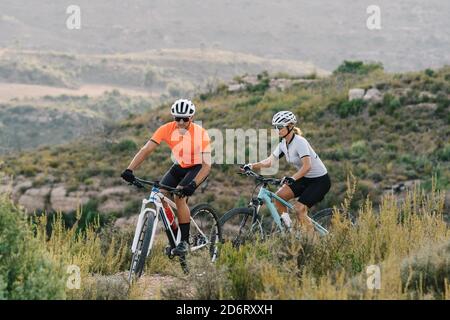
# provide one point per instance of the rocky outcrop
(355, 93)
(112, 205)
(125, 222)
(235, 87)
(373, 95)
(60, 200)
(57, 197)
(115, 191)
(35, 199)
(284, 84)
(274, 84)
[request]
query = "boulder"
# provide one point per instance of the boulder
(125, 222)
(61, 201)
(355, 93)
(251, 80)
(235, 87)
(120, 190)
(22, 187)
(281, 84)
(425, 94)
(373, 95)
(35, 199)
(112, 205)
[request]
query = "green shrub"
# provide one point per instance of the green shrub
(358, 148)
(26, 270)
(391, 103)
(444, 153)
(262, 86)
(350, 108)
(357, 67)
(125, 145)
(430, 73)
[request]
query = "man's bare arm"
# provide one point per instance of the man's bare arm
(145, 151)
(206, 168)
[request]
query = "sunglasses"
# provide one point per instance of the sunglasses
(178, 119)
(279, 126)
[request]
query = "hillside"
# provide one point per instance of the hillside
(398, 137)
(160, 71)
(49, 98)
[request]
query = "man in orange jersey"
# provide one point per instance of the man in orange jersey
(190, 145)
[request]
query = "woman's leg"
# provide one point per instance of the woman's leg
(302, 216)
(284, 193)
(314, 192)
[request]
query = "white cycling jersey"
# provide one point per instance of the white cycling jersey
(297, 149)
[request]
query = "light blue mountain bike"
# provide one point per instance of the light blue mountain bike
(245, 224)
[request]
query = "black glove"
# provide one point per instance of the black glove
(287, 180)
(128, 176)
(188, 190)
(246, 167)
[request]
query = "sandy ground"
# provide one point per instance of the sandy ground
(10, 91)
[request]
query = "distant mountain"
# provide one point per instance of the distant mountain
(414, 33)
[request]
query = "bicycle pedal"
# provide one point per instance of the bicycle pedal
(168, 252)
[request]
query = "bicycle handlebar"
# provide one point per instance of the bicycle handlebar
(138, 182)
(260, 178)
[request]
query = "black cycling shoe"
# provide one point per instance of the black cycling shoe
(181, 249)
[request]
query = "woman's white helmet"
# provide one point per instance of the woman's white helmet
(284, 118)
(182, 108)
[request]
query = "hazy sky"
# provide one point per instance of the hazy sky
(414, 34)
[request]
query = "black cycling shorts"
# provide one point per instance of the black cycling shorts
(311, 190)
(178, 176)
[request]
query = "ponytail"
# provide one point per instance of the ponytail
(298, 131)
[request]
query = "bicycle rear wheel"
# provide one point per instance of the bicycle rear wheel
(143, 247)
(205, 229)
(239, 228)
(324, 217)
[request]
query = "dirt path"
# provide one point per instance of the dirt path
(153, 284)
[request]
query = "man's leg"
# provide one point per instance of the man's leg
(184, 214)
(171, 178)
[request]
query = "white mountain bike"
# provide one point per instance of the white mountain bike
(205, 230)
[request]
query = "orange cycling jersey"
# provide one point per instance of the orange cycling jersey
(187, 147)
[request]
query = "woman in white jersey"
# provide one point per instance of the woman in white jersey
(310, 183)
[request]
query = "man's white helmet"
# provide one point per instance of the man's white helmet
(284, 118)
(182, 108)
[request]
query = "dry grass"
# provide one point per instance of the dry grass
(335, 267)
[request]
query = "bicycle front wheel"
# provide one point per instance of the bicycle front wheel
(238, 226)
(143, 246)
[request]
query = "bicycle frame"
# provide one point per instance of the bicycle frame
(266, 196)
(156, 198)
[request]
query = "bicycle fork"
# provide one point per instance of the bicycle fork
(140, 223)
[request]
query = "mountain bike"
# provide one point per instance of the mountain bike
(205, 230)
(246, 224)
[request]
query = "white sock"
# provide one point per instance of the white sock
(287, 220)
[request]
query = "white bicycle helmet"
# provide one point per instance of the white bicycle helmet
(182, 108)
(284, 118)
